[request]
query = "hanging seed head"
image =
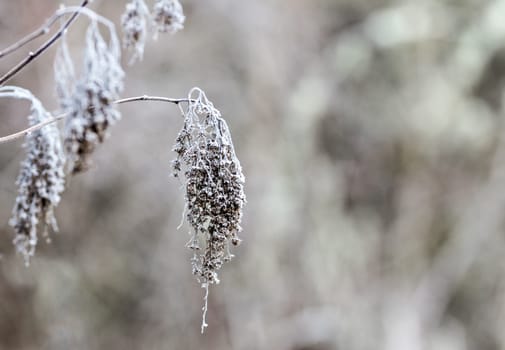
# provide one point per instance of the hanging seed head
(90, 105)
(214, 186)
(41, 179)
(168, 16)
(134, 24)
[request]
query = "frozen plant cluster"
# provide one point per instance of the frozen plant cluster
(214, 186)
(167, 17)
(88, 100)
(41, 179)
(134, 23)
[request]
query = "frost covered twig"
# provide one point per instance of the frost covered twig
(33, 55)
(32, 128)
(38, 126)
(153, 98)
(30, 37)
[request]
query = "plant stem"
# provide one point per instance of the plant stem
(31, 129)
(38, 126)
(33, 55)
(30, 37)
(152, 98)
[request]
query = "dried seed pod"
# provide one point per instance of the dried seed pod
(41, 180)
(134, 24)
(168, 16)
(90, 104)
(214, 186)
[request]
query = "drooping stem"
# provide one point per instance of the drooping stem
(33, 55)
(33, 128)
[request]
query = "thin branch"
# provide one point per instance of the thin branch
(31, 129)
(35, 127)
(152, 98)
(33, 55)
(32, 36)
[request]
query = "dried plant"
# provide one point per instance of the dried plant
(214, 187)
(134, 23)
(168, 16)
(41, 180)
(88, 102)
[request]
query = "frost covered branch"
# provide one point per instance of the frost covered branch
(55, 119)
(33, 55)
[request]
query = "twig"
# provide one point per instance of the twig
(33, 55)
(32, 36)
(31, 129)
(35, 127)
(152, 98)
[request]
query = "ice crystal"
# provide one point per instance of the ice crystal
(89, 100)
(168, 16)
(41, 179)
(134, 25)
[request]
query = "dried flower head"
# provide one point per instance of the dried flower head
(214, 186)
(134, 25)
(168, 16)
(89, 100)
(41, 180)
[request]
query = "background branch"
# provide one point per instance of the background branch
(33, 55)
(30, 37)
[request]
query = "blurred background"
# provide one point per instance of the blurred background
(371, 134)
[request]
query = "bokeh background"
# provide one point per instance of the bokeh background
(371, 134)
